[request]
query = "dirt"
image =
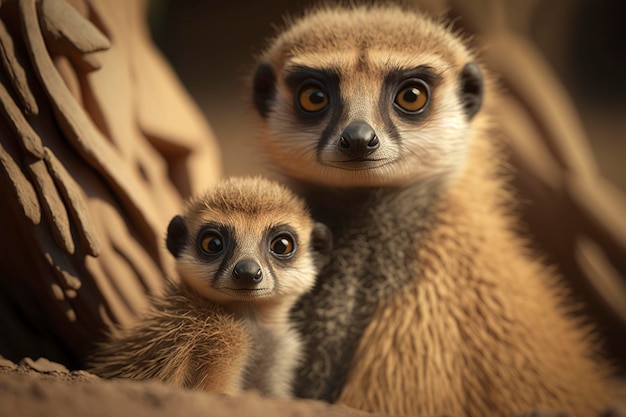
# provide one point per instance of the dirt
(43, 388)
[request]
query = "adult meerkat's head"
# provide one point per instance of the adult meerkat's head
(367, 96)
(248, 240)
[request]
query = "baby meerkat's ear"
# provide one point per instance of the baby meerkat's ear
(322, 244)
(176, 236)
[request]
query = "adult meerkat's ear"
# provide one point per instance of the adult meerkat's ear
(176, 236)
(264, 89)
(471, 89)
(322, 244)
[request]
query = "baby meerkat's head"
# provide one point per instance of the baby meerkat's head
(367, 96)
(248, 240)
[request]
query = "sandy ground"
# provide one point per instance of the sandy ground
(43, 388)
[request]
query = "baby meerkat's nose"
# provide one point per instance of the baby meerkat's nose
(247, 272)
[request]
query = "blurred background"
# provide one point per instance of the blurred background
(212, 45)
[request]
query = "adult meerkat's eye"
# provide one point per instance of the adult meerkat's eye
(283, 246)
(211, 242)
(312, 97)
(412, 96)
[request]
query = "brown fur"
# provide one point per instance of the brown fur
(431, 296)
(183, 340)
(482, 331)
(208, 331)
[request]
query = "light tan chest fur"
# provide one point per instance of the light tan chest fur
(481, 330)
(275, 353)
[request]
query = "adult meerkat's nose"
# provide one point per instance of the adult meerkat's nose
(358, 140)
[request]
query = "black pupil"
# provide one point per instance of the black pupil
(214, 245)
(317, 97)
(411, 95)
(281, 245)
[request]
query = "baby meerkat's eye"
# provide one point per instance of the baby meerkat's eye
(312, 97)
(283, 246)
(211, 242)
(412, 96)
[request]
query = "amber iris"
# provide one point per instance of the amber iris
(211, 243)
(312, 98)
(282, 245)
(412, 97)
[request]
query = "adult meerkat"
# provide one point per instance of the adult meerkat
(431, 302)
(245, 251)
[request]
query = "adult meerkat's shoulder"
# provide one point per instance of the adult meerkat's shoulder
(431, 302)
(245, 251)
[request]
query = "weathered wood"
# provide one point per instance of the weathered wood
(75, 198)
(90, 185)
(15, 71)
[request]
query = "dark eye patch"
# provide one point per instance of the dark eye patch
(215, 239)
(282, 241)
(393, 83)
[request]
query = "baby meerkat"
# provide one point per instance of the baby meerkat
(431, 303)
(245, 252)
